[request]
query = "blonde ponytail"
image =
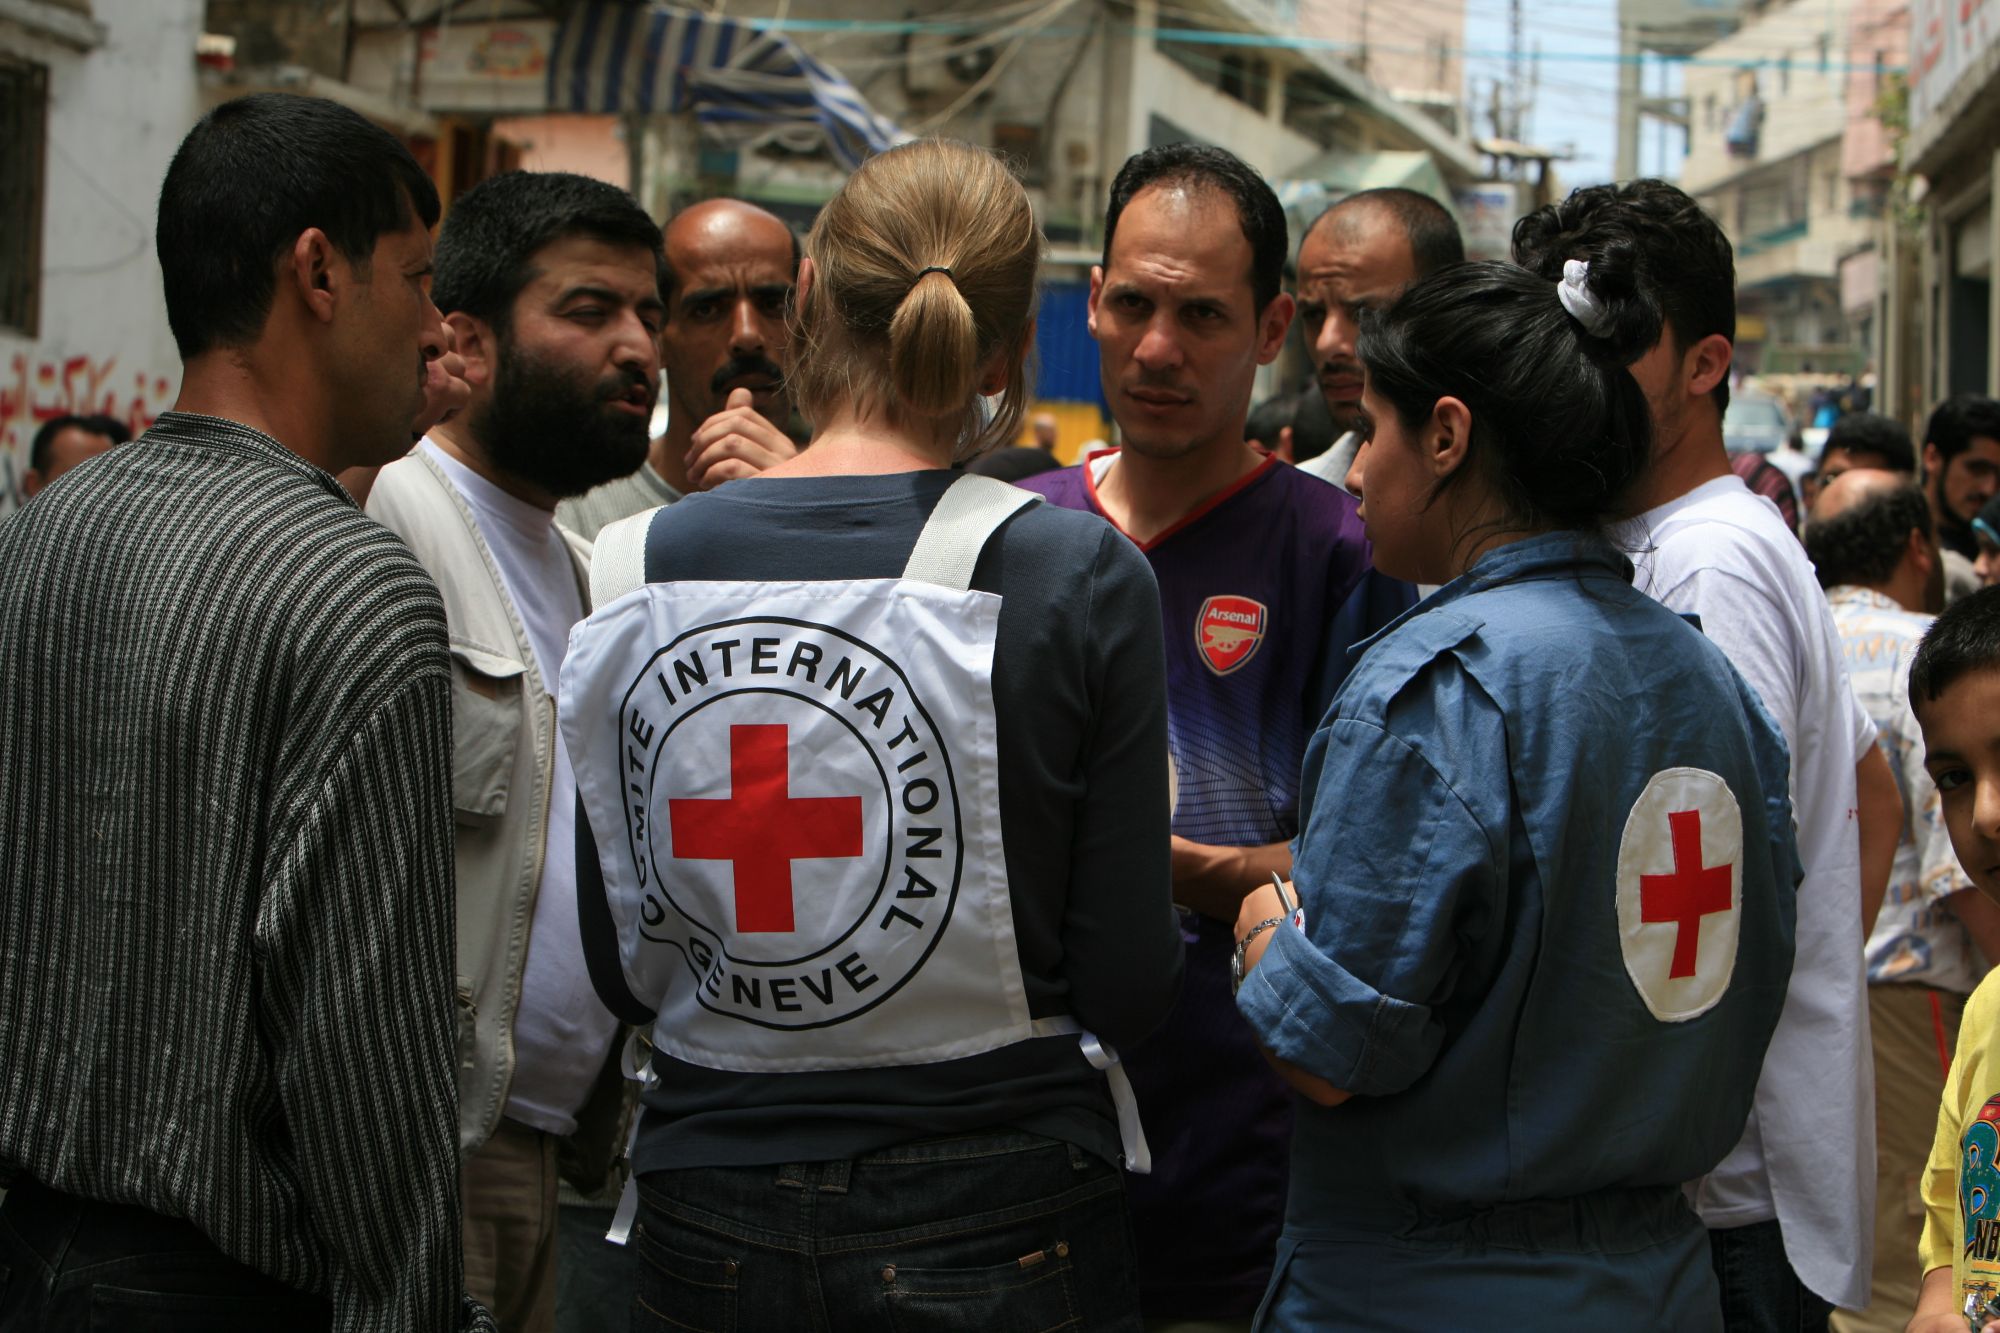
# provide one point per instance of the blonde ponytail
(933, 346)
(925, 266)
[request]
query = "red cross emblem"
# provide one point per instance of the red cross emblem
(761, 828)
(1690, 893)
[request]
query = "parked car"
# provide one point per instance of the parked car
(1756, 423)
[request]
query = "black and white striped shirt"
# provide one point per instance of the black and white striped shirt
(226, 904)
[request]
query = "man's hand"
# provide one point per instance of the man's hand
(1935, 1302)
(1212, 880)
(1879, 812)
(445, 389)
(1947, 1323)
(736, 442)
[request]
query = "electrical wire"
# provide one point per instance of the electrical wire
(980, 85)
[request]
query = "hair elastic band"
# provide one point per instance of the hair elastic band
(935, 268)
(1582, 303)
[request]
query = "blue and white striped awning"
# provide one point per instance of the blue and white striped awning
(743, 84)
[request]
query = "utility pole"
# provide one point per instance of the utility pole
(1517, 84)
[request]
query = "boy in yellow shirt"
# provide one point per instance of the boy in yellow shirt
(1955, 692)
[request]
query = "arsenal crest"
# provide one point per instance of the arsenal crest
(1228, 630)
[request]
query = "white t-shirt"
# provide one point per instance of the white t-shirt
(1808, 1154)
(1333, 465)
(562, 1031)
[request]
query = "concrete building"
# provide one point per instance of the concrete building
(1954, 113)
(1880, 281)
(1767, 111)
(1650, 34)
(1414, 52)
(94, 98)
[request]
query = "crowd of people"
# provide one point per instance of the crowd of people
(1438, 849)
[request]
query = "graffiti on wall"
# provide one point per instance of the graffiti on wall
(35, 388)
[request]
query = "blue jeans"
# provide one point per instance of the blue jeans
(73, 1265)
(1760, 1292)
(593, 1276)
(990, 1232)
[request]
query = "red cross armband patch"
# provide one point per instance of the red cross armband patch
(1680, 892)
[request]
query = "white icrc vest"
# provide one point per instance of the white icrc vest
(794, 791)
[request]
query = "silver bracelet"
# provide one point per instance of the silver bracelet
(1243, 946)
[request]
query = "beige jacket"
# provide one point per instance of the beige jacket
(503, 755)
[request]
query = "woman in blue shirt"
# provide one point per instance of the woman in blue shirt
(1545, 877)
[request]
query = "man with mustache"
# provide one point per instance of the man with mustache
(1265, 582)
(725, 348)
(1359, 255)
(551, 284)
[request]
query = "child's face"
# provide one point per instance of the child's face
(1962, 752)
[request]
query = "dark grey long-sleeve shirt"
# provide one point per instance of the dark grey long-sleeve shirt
(1079, 696)
(225, 868)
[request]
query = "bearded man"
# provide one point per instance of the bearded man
(550, 283)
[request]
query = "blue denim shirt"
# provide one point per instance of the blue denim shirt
(1461, 968)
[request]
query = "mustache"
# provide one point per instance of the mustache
(1342, 368)
(622, 382)
(742, 367)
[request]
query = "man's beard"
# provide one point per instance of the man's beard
(1345, 419)
(543, 426)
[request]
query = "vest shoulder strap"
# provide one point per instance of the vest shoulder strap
(966, 517)
(618, 558)
(968, 514)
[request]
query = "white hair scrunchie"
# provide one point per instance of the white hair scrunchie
(1580, 301)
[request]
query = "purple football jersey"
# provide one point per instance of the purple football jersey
(1263, 589)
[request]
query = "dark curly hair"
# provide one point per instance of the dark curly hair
(1863, 543)
(1685, 262)
(1870, 433)
(1959, 420)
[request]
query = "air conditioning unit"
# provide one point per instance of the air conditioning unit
(934, 71)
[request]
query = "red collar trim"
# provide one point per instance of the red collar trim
(1194, 515)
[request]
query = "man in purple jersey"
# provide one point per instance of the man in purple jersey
(1265, 583)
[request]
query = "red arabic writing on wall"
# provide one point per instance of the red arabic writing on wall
(34, 390)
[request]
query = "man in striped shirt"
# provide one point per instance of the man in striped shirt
(226, 1031)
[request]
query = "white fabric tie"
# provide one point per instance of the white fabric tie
(1580, 301)
(635, 1061)
(1131, 1134)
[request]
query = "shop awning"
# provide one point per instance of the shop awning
(741, 83)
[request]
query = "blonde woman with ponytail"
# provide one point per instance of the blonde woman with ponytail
(872, 756)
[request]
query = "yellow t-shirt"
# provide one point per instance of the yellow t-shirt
(1962, 1182)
